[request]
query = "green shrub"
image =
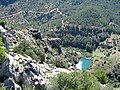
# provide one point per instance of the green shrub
(75, 81)
(59, 61)
(25, 47)
(2, 87)
(2, 23)
(2, 51)
(101, 76)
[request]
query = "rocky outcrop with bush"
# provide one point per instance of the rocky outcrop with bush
(19, 71)
(25, 58)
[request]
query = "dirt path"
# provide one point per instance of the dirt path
(35, 12)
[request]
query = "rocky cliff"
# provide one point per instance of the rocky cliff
(20, 71)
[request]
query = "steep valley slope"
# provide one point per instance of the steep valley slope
(41, 38)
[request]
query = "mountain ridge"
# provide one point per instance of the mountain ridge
(90, 12)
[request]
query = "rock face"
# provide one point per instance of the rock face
(3, 35)
(19, 71)
(9, 83)
(79, 65)
(8, 36)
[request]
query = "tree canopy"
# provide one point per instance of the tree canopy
(75, 81)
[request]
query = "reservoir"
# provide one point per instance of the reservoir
(84, 63)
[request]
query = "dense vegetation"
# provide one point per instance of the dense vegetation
(87, 38)
(25, 47)
(77, 12)
(87, 25)
(76, 81)
(89, 12)
(101, 76)
(2, 51)
(2, 23)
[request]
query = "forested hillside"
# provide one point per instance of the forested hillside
(46, 37)
(85, 12)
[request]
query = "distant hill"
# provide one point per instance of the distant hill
(85, 12)
(7, 2)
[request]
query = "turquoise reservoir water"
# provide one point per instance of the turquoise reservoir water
(86, 63)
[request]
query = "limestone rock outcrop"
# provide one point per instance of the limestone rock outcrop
(3, 35)
(9, 83)
(18, 71)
